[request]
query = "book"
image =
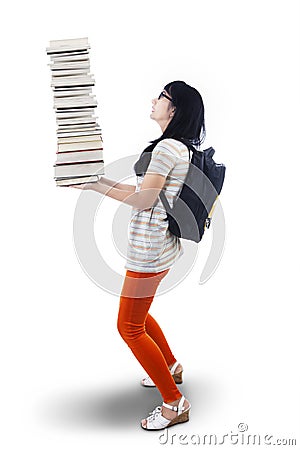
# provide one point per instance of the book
(67, 53)
(67, 72)
(77, 120)
(74, 102)
(87, 122)
(74, 134)
(68, 57)
(65, 93)
(69, 65)
(70, 43)
(78, 180)
(79, 146)
(67, 45)
(76, 80)
(79, 155)
(84, 112)
(71, 125)
(86, 138)
(73, 169)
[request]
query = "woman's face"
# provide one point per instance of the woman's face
(162, 110)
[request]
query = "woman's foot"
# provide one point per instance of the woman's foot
(167, 415)
(176, 370)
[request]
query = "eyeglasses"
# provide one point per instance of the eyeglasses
(162, 94)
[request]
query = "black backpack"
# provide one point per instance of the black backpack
(194, 203)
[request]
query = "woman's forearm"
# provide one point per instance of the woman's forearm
(139, 200)
(122, 186)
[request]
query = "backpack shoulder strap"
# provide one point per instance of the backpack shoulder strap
(164, 200)
(162, 194)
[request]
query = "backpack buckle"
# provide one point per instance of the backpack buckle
(207, 222)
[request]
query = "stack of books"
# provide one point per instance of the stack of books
(79, 156)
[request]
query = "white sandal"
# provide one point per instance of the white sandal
(156, 421)
(147, 382)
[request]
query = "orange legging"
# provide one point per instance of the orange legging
(142, 333)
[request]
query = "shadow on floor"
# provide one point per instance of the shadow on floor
(111, 407)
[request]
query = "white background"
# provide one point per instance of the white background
(68, 381)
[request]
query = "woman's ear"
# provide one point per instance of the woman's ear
(173, 112)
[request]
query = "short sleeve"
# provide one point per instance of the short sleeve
(164, 157)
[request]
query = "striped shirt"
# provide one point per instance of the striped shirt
(151, 246)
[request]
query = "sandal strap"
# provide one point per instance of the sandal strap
(174, 367)
(178, 408)
(147, 382)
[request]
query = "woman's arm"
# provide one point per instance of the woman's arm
(143, 199)
(122, 186)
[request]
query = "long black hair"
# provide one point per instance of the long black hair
(187, 124)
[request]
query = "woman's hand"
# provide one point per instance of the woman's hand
(97, 186)
(84, 186)
(128, 197)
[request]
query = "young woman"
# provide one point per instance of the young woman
(152, 248)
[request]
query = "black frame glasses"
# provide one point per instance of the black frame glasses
(162, 94)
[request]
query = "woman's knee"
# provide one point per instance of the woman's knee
(130, 331)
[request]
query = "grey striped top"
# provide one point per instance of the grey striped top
(151, 246)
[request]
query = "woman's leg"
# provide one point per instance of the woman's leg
(155, 332)
(132, 317)
(152, 327)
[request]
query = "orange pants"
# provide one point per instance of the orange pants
(142, 333)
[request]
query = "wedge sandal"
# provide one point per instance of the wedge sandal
(156, 421)
(147, 382)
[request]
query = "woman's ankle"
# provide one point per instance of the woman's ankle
(169, 414)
